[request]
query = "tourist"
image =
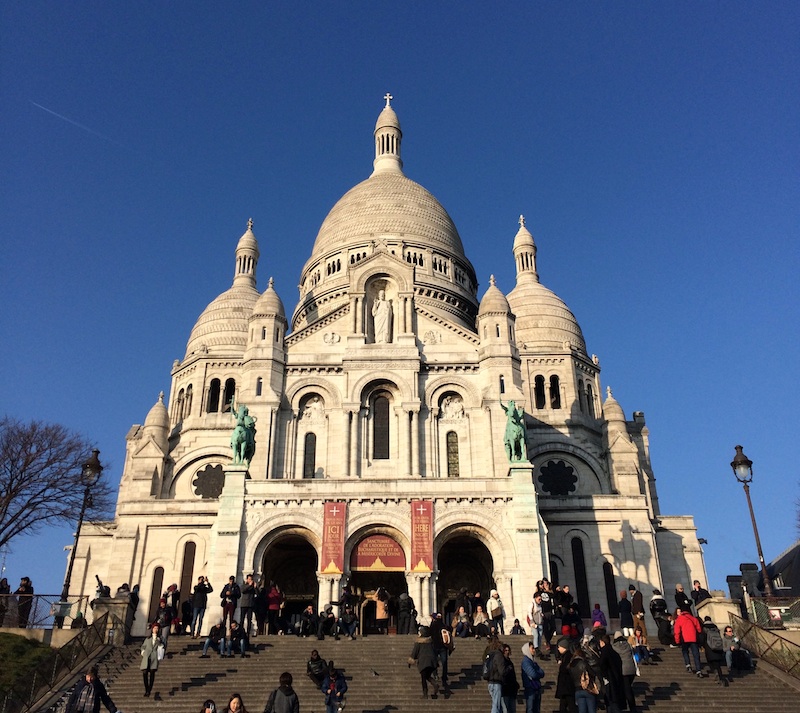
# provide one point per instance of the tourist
(334, 687)
(623, 648)
(229, 597)
(208, 707)
(424, 658)
(495, 611)
(599, 617)
(496, 666)
(246, 602)
(381, 599)
(215, 638)
(348, 622)
(88, 694)
(609, 666)
(316, 668)
(199, 603)
(164, 617)
(517, 629)
(442, 643)
(24, 596)
(735, 656)
(699, 594)
(274, 603)
(328, 623)
(535, 621)
(638, 642)
(625, 614)
(715, 649)
(307, 626)
(565, 688)
(686, 633)
(532, 675)
(235, 704)
(585, 680)
(283, 699)
(480, 622)
(237, 640)
(681, 600)
(406, 623)
(548, 620)
(152, 652)
(5, 596)
(463, 622)
(637, 608)
(660, 613)
(509, 685)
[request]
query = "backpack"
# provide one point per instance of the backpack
(588, 683)
(713, 638)
(447, 640)
(487, 667)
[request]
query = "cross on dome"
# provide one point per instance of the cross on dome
(249, 223)
(491, 280)
(388, 97)
(521, 221)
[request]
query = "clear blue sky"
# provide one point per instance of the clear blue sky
(653, 148)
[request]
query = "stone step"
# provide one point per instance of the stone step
(380, 680)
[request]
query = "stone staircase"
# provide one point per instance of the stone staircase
(380, 681)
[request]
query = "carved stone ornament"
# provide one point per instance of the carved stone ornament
(331, 338)
(208, 483)
(314, 410)
(432, 337)
(452, 408)
(557, 478)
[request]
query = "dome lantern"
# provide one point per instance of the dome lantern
(387, 140)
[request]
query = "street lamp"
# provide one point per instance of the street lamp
(743, 470)
(90, 474)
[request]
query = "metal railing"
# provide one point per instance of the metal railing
(40, 681)
(768, 645)
(40, 610)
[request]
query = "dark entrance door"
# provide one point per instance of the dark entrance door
(364, 583)
(291, 562)
(464, 562)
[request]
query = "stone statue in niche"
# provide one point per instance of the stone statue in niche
(382, 319)
(313, 410)
(452, 408)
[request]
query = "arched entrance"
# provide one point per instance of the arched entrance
(291, 562)
(464, 563)
(376, 561)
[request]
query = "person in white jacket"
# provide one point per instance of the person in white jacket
(496, 612)
(535, 619)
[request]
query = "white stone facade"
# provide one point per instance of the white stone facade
(378, 416)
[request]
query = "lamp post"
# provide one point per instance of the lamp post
(90, 474)
(743, 470)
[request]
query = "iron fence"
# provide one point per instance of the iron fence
(768, 645)
(40, 610)
(43, 679)
(775, 611)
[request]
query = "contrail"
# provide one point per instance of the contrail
(75, 123)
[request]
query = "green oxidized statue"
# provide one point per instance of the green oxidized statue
(243, 438)
(514, 437)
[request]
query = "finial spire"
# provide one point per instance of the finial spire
(491, 280)
(608, 392)
(161, 397)
(388, 97)
(249, 223)
(271, 283)
(521, 221)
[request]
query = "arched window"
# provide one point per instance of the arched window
(497, 330)
(502, 385)
(213, 396)
(555, 392)
(554, 573)
(581, 583)
(263, 333)
(188, 409)
(538, 391)
(380, 428)
(179, 406)
(155, 592)
(581, 396)
(589, 400)
(259, 386)
(452, 455)
(230, 392)
(611, 591)
(185, 583)
(309, 455)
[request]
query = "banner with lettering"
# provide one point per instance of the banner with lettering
(421, 536)
(333, 538)
(378, 553)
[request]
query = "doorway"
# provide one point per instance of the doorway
(464, 563)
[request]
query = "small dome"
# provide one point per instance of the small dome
(269, 304)
(248, 240)
(611, 408)
(222, 327)
(157, 417)
(387, 119)
(543, 321)
(494, 301)
(523, 237)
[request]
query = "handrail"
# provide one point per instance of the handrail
(768, 645)
(23, 696)
(40, 610)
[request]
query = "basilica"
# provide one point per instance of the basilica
(405, 431)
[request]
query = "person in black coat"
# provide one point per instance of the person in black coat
(565, 688)
(426, 661)
(715, 649)
(90, 688)
(610, 665)
(625, 614)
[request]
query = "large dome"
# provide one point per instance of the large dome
(387, 204)
(222, 327)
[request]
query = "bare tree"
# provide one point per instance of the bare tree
(40, 478)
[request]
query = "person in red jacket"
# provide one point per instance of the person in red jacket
(687, 629)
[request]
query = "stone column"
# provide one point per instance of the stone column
(272, 448)
(415, 442)
(434, 471)
(353, 455)
(347, 444)
(226, 534)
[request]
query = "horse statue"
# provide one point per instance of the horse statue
(514, 437)
(243, 438)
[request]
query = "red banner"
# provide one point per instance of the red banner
(421, 536)
(378, 553)
(333, 538)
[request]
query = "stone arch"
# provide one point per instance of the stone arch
(359, 532)
(201, 553)
(438, 387)
(400, 277)
(368, 382)
(268, 532)
(500, 544)
(184, 469)
(585, 467)
(298, 389)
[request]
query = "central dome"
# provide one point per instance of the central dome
(387, 204)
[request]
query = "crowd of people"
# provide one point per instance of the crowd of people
(594, 664)
(21, 599)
